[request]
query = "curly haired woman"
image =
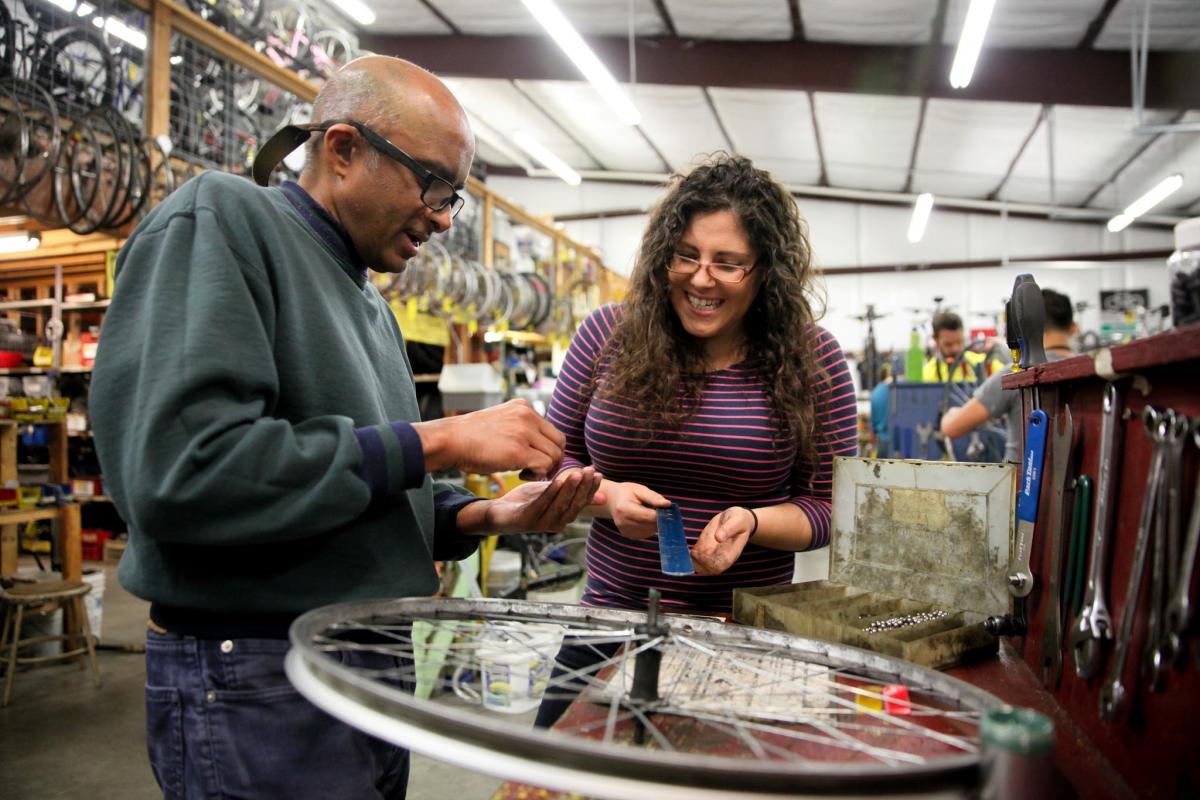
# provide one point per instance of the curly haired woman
(713, 387)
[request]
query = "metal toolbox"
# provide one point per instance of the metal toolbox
(909, 538)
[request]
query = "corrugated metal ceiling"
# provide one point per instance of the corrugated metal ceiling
(965, 148)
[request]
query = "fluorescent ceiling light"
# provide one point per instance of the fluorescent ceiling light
(566, 37)
(1165, 188)
(119, 29)
(921, 209)
(20, 242)
(356, 10)
(970, 41)
(540, 152)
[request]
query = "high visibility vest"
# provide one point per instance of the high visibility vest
(936, 370)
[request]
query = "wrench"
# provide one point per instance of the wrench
(1094, 623)
(1020, 578)
(1159, 648)
(924, 432)
(1112, 695)
(1153, 664)
(1179, 609)
(1060, 453)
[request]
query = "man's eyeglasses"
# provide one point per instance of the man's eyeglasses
(720, 271)
(436, 192)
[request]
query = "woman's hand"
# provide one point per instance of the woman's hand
(545, 506)
(722, 541)
(633, 509)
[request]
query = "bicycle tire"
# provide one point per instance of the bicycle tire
(96, 201)
(14, 142)
(139, 177)
(87, 95)
(941, 734)
(69, 210)
(45, 133)
(8, 41)
(125, 176)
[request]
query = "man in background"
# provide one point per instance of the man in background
(992, 401)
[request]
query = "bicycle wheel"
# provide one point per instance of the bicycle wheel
(78, 71)
(140, 175)
(45, 135)
(96, 172)
(162, 177)
(8, 40)
(737, 712)
(14, 142)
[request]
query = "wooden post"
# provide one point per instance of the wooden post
(58, 451)
(8, 477)
(158, 74)
(70, 541)
(489, 246)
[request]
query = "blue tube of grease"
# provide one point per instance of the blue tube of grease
(672, 543)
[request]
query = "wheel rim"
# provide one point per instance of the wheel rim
(939, 741)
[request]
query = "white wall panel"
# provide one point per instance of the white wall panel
(578, 108)
(590, 17)
(677, 119)
(1174, 25)
(735, 19)
(966, 146)
(867, 139)
(773, 128)
(868, 21)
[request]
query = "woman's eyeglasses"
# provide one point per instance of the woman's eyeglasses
(720, 271)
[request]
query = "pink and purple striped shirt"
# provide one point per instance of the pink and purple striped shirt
(726, 454)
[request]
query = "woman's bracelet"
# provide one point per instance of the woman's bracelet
(753, 530)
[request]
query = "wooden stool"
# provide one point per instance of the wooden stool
(41, 598)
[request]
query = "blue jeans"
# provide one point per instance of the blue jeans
(229, 724)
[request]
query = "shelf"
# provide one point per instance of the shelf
(1160, 350)
(28, 515)
(17, 305)
(429, 377)
(43, 370)
(96, 498)
(94, 305)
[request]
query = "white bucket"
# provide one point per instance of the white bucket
(93, 601)
(515, 662)
(504, 572)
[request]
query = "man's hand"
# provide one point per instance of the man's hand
(633, 509)
(510, 436)
(722, 541)
(545, 506)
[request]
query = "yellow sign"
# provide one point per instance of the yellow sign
(419, 327)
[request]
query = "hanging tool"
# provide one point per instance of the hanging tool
(1077, 550)
(1170, 435)
(1094, 623)
(1052, 641)
(1026, 324)
(1168, 643)
(1112, 695)
(1020, 578)
(1179, 610)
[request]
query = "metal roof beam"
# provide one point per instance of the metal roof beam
(1071, 77)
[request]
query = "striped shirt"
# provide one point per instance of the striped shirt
(726, 454)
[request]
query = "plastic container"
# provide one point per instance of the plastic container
(515, 663)
(93, 601)
(1183, 271)
(1018, 754)
(504, 572)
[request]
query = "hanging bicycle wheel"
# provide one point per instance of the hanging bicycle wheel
(737, 711)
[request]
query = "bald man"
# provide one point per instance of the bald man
(257, 425)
